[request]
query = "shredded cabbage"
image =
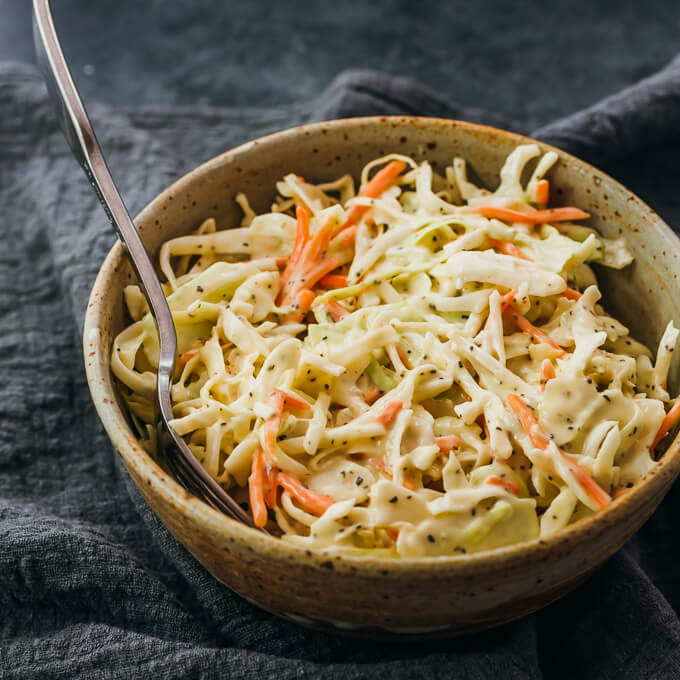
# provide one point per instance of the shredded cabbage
(401, 371)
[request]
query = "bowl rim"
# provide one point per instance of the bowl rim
(212, 521)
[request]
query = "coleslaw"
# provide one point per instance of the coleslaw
(422, 367)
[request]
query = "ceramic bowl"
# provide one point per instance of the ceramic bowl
(382, 597)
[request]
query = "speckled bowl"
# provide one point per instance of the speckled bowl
(370, 596)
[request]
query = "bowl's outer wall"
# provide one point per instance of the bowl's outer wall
(423, 597)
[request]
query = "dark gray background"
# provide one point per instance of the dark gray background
(533, 61)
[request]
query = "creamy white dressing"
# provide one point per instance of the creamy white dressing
(392, 397)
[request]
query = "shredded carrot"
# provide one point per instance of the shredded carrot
(271, 476)
(410, 483)
(541, 441)
(317, 246)
(305, 276)
(370, 394)
(389, 412)
(590, 486)
(336, 310)
(347, 240)
(381, 465)
(512, 487)
(271, 487)
(305, 298)
(273, 423)
(314, 502)
(571, 294)
(542, 194)
(318, 271)
(274, 478)
(669, 420)
(535, 217)
(185, 357)
(374, 188)
(301, 238)
(507, 300)
(448, 442)
(535, 333)
(538, 438)
(507, 248)
(403, 357)
(289, 399)
(393, 534)
(256, 490)
(547, 372)
(333, 281)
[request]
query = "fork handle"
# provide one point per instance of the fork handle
(85, 147)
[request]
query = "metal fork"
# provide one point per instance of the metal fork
(85, 147)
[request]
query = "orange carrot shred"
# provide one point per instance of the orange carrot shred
(185, 357)
(256, 490)
(535, 333)
(314, 502)
(512, 487)
(667, 423)
(547, 372)
(336, 310)
(536, 217)
(370, 394)
(333, 281)
(318, 271)
(448, 442)
(373, 189)
(410, 483)
(571, 294)
(403, 357)
(542, 192)
(507, 248)
(381, 465)
(273, 423)
(271, 484)
(389, 412)
(538, 438)
(301, 238)
(507, 300)
(348, 237)
(319, 242)
(292, 401)
(541, 441)
(305, 298)
(393, 534)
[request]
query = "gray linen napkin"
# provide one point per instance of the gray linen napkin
(91, 584)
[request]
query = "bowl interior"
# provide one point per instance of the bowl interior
(642, 295)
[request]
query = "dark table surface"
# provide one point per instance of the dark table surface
(532, 61)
